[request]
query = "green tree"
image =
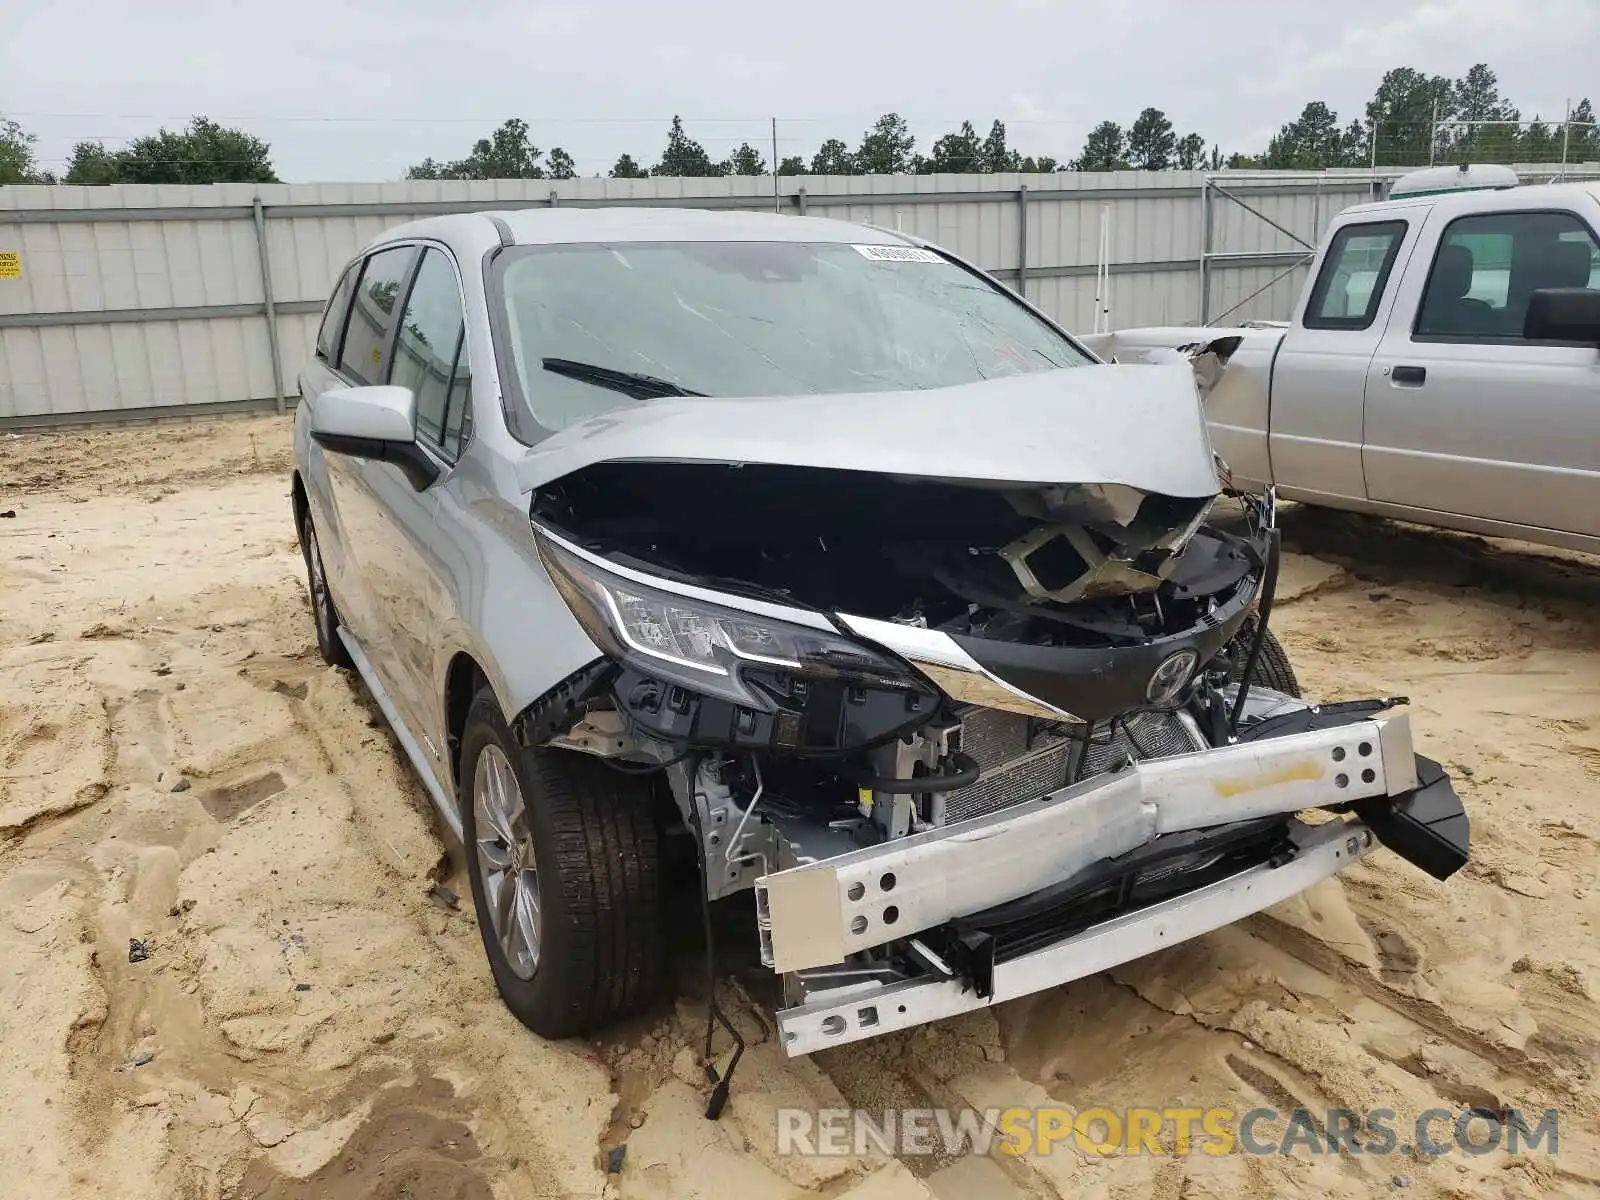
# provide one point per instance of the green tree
(1355, 145)
(1190, 152)
(91, 163)
(746, 160)
(887, 148)
(1402, 111)
(1475, 97)
(507, 153)
(1043, 165)
(202, 152)
(955, 152)
(793, 164)
(1538, 143)
(833, 157)
(684, 158)
(1103, 150)
(626, 168)
(560, 164)
(1583, 138)
(17, 163)
(995, 155)
(1151, 141)
(1310, 142)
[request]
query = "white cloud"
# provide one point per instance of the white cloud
(375, 85)
(1440, 35)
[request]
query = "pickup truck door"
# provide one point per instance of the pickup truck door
(1320, 373)
(1465, 416)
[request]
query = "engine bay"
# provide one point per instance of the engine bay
(1048, 565)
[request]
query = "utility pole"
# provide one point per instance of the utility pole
(777, 203)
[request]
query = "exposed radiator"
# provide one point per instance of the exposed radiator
(1023, 758)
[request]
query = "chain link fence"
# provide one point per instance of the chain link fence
(1558, 145)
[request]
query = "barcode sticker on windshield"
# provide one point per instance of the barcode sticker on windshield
(898, 254)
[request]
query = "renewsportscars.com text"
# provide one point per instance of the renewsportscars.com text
(1167, 1131)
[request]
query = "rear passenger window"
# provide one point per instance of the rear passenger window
(426, 346)
(1354, 273)
(1488, 266)
(333, 317)
(366, 338)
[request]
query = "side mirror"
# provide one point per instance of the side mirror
(1569, 314)
(373, 422)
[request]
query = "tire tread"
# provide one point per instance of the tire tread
(606, 845)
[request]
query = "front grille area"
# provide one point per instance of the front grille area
(1022, 758)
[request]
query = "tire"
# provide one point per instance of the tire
(323, 611)
(590, 836)
(1273, 669)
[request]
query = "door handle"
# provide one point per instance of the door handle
(1405, 376)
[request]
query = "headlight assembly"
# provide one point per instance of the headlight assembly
(702, 645)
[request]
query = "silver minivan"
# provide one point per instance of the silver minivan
(811, 549)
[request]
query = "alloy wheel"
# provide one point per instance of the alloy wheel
(505, 861)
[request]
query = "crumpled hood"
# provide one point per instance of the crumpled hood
(1141, 426)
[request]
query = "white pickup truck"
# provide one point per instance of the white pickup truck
(1442, 366)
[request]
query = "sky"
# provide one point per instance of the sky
(359, 90)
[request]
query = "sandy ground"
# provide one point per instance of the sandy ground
(312, 1017)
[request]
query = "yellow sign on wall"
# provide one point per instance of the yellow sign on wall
(10, 264)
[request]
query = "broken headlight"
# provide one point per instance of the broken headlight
(703, 645)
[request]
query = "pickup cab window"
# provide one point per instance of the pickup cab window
(1354, 273)
(1488, 265)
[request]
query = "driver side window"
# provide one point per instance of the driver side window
(1488, 267)
(429, 355)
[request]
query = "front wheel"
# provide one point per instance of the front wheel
(1273, 669)
(564, 859)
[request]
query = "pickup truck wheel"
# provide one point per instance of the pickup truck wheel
(1273, 669)
(564, 859)
(323, 612)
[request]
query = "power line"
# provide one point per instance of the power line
(762, 122)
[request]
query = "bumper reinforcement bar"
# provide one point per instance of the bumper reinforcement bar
(820, 913)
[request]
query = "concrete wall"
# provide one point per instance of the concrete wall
(135, 301)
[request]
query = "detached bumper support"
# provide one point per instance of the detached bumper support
(1427, 827)
(820, 913)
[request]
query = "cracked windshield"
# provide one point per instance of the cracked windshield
(756, 319)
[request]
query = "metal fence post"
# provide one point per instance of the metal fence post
(1022, 240)
(267, 299)
(1205, 250)
(1566, 139)
(800, 201)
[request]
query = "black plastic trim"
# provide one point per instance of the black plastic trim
(1099, 682)
(1428, 827)
(556, 710)
(419, 467)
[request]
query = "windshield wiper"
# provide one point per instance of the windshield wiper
(629, 383)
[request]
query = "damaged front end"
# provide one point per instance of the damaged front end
(963, 738)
